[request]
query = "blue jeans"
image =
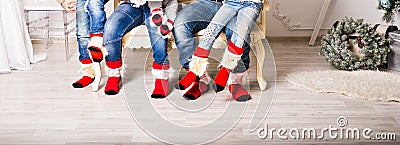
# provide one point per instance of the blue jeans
(82, 29)
(195, 17)
(97, 15)
(88, 22)
(124, 19)
(246, 13)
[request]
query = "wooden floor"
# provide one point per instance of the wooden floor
(41, 107)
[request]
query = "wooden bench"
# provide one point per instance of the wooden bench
(138, 38)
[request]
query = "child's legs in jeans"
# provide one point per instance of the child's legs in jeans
(244, 61)
(97, 15)
(221, 18)
(246, 17)
(158, 44)
(82, 29)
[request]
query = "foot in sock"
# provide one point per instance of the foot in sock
(221, 79)
(161, 73)
(166, 28)
(238, 92)
(198, 88)
(229, 61)
(186, 81)
(95, 47)
(114, 77)
(88, 74)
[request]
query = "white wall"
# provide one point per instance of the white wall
(306, 12)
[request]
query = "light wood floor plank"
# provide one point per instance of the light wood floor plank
(41, 107)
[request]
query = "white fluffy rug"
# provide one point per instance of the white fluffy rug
(370, 85)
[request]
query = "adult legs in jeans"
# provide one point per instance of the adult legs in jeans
(121, 21)
(82, 35)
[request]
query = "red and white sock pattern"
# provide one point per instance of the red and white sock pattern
(88, 74)
(198, 88)
(95, 46)
(197, 67)
(166, 28)
(229, 61)
(239, 93)
(161, 73)
(114, 77)
(157, 15)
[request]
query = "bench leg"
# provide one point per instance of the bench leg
(260, 56)
(66, 42)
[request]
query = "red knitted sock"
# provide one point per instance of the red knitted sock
(239, 93)
(221, 79)
(114, 77)
(166, 28)
(87, 78)
(156, 16)
(160, 89)
(95, 47)
(198, 88)
(223, 74)
(186, 81)
(161, 84)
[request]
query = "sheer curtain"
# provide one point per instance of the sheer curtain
(16, 50)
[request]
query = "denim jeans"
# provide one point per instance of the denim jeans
(195, 17)
(82, 29)
(95, 9)
(124, 19)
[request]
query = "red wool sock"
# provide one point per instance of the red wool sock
(160, 89)
(239, 93)
(85, 80)
(221, 79)
(166, 28)
(95, 51)
(186, 81)
(156, 16)
(196, 90)
(161, 84)
(223, 74)
(114, 77)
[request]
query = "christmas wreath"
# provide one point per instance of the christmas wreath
(391, 7)
(337, 49)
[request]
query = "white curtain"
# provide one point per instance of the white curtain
(16, 50)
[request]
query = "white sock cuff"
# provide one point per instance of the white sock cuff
(198, 65)
(162, 74)
(230, 60)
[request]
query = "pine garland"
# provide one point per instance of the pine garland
(336, 48)
(391, 7)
